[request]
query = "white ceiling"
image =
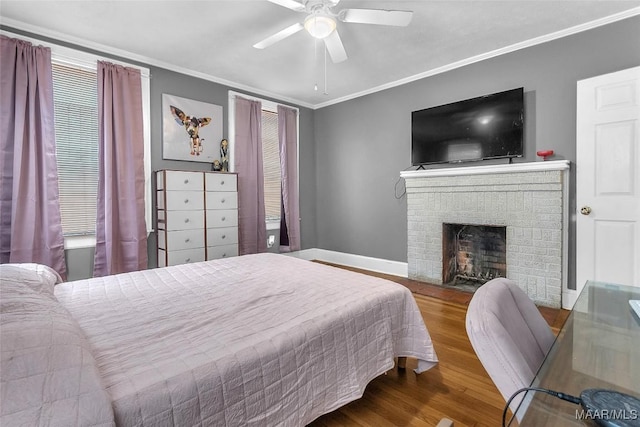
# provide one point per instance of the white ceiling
(213, 39)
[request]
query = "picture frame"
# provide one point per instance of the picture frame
(191, 130)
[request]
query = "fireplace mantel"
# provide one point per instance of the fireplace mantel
(554, 165)
(529, 199)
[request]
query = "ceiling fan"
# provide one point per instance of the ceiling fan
(321, 23)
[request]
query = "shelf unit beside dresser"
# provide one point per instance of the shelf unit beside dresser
(197, 216)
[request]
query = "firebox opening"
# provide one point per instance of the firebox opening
(473, 254)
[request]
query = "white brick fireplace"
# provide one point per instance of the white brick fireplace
(529, 199)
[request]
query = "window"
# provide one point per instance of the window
(271, 166)
(75, 98)
(76, 128)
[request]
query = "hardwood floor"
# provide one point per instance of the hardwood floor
(457, 388)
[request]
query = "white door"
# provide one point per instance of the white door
(608, 179)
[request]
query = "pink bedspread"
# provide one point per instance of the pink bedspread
(254, 340)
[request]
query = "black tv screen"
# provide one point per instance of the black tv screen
(480, 128)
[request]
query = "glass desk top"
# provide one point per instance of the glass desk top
(598, 347)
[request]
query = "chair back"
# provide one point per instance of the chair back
(508, 334)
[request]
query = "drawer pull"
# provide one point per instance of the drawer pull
(187, 240)
(186, 201)
(221, 182)
(222, 201)
(223, 218)
(187, 260)
(186, 181)
(186, 220)
(224, 237)
(224, 255)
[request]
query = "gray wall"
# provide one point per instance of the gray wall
(363, 144)
(80, 261)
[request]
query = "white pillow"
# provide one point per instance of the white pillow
(48, 375)
(38, 277)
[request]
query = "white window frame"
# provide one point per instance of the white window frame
(269, 106)
(89, 62)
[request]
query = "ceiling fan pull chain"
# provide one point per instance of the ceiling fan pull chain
(315, 60)
(326, 91)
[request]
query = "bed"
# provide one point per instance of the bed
(255, 340)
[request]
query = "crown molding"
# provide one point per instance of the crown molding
(488, 55)
(36, 31)
(83, 43)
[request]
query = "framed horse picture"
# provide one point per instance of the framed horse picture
(191, 130)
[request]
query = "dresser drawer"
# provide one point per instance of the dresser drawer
(221, 182)
(183, 239)
(180, 220)
(180, 181)
(217, 252)
(222, 218)
(222, 236)
(180, 200)
(222, 200)
(185, 256)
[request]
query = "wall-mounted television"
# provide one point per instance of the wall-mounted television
(486, 127)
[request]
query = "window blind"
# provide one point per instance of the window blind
(271, 165)
(75, 95)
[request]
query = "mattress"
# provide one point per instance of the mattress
(257, 340)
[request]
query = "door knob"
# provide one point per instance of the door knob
(585, 210)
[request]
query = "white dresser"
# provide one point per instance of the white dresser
(197, 216)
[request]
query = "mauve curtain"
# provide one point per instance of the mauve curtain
(121, 233)
(288, 141)
(252, 229)
(30, 226)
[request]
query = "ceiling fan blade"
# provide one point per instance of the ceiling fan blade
(289, 4)
(335, 47)
(398, 18)
(279, 36)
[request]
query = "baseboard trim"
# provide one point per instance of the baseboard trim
(379, 265)
(569, 297)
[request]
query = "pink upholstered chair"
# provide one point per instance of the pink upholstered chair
(508, 334)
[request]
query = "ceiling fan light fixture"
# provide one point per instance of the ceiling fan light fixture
(319, 26)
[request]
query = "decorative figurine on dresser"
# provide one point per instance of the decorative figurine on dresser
(197, 216)
(224, 155)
